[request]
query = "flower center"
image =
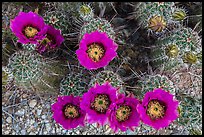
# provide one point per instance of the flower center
(172, 51)
(85, 10)
(30, 32)
(71, 111)
(96, 51)
(123, 113)
(156, 109)
(190, 58)
(101, 103)
(157, 23)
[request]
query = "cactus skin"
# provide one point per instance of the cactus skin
(29, 47)
(33, 72)
(151, 82)
(86, 12)
(58, 20)
(188, 46)
(110, 76)
(64, 18)
(73, 84)
(191, 114)
(99, 24)
(144, 11)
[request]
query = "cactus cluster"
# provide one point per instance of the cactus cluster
(150, 82)
(33, 72)
(191, 114)
(182, 47)
(99, 24)
(150, 14)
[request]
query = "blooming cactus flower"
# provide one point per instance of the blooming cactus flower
(67, 112)
(123, 113)
(97, 101)
(158, 109)
(28, 27)
(96, 50)
(53, 39)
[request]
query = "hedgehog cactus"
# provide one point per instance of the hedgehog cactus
(155, 16)
(150, 82)
(86, 12)
(58, 20)
(182, 47)
(32, 71)
(110, 76)
(191, 114)
(73, 84)
(99, 24)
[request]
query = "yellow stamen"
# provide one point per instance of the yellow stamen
(95, 52)
(30, 32)
(71, 111)
(155, 109)
(123, 113)
(101, 103)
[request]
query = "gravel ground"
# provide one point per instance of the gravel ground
(27, 113)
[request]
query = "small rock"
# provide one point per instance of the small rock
(25, 95)
(23, 132)
(31, 133)
(20, 112)
(32, 121)
(32, 103)
(43, 116)
(39, 112)
(6, 132)
(9, 120)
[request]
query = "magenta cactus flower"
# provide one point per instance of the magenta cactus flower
(97, 101)
(123, 113)
(158, 109)
(28, 27)
(52, 40)
(67, 112)
(96, 50)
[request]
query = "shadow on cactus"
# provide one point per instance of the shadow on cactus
(75, 82)
(33, 72)
(182, 47)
